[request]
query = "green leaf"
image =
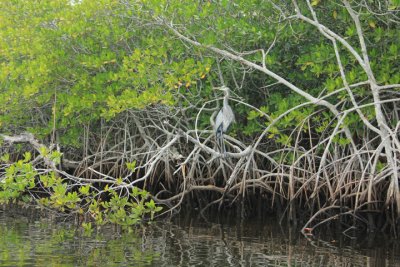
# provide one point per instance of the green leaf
(84, 190)
(131, 166)
(315, 2)
(151, 204)
(27, 156)
(5, 158)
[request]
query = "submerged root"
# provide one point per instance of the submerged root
(319, 180)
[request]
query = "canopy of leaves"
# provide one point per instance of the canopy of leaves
(67, 63)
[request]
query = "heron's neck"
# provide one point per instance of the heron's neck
(226, 97)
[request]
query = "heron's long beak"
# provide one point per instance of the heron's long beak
(222, 88)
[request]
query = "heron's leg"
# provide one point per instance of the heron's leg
(220, 141)
(223, 146)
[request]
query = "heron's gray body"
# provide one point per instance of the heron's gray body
(224, 119)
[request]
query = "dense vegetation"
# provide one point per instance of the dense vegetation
(101, 98)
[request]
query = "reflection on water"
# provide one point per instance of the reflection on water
(27, 242)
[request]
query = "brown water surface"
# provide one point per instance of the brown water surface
(186, 242)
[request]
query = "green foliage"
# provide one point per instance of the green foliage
(92, 60)
(83, 62)
(131, 166)
(18, 177)
(5, 158)
(88, 229)
(70, 67)
(21, 178)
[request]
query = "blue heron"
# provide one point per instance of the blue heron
(223, 120)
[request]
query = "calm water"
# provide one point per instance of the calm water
(185, 242)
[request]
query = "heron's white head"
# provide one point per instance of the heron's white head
(223, 88)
